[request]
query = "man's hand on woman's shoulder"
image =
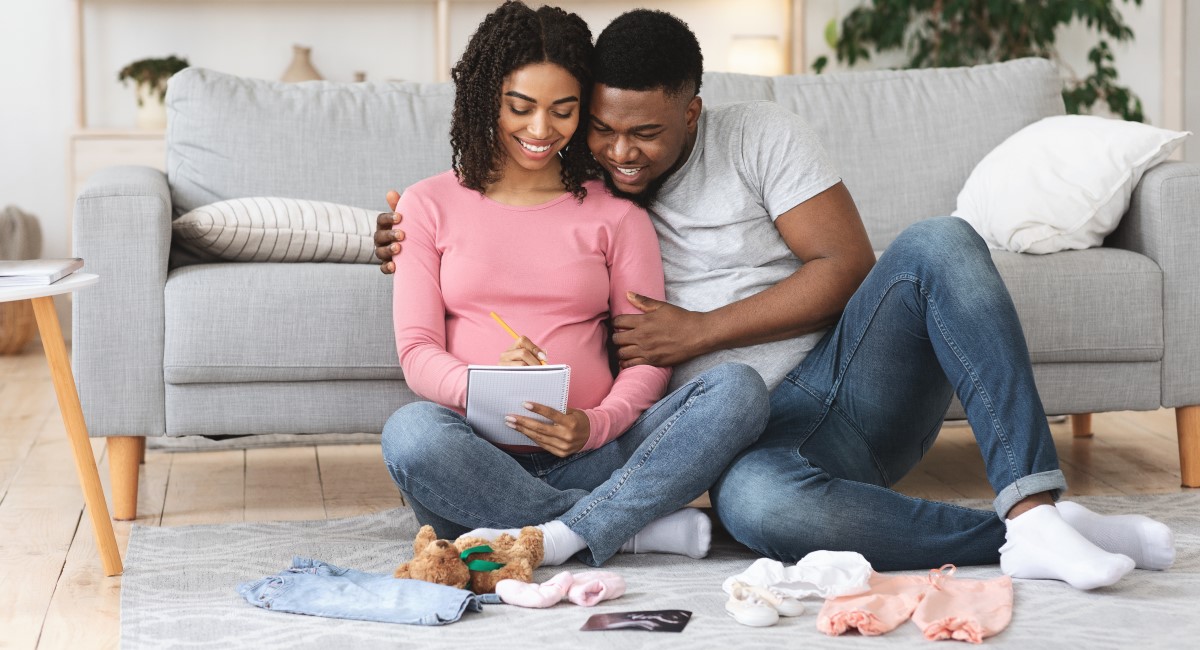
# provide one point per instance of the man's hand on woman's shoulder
(388, 238)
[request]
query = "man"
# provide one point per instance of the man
(767, 262)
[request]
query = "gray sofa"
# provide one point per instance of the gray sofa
(164, 347)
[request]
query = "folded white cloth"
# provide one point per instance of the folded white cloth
(827, 574)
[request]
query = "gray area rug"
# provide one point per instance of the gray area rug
(179, 592)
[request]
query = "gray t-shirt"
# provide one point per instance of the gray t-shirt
(715, 219)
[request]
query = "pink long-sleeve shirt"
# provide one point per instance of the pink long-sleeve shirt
(555, 272)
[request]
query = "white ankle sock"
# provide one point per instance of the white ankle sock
(683, 532)
(1150, 543)
(559, 542)
(1042, 546)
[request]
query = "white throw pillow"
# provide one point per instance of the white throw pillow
(274, 229)
(1061, 183)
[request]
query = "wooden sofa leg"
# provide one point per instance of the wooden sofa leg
(124, 455)
(1187, 424)
(1081, 425)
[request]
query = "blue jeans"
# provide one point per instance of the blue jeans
(318, 589)
(931, 320)
(457, 481)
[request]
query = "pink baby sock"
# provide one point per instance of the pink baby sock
(592, 587)
(525, 594)
(586, 589)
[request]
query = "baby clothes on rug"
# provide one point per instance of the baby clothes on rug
(316, 588)
(943, 607)
(821, 573)
(585, 589)
(767, 590)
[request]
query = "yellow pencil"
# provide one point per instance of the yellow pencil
(510, 330)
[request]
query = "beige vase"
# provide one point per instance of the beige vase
(301, 68)
(151, 113)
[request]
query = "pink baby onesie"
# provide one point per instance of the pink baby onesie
(942, 607)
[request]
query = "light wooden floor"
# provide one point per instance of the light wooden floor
(53, 594)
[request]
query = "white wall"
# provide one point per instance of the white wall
(36, 100)
(715, 22)
(1139, 65)
(385, 40)
(35, 112)
(1191, 81)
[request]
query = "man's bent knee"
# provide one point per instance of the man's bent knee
(942, 236)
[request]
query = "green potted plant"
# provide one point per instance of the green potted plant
(937, 33)
(150, 76)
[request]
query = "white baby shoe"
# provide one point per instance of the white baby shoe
(748, 608)
(758, 606)
(785, 605)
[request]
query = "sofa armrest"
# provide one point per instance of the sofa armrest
(1163, 223)
(122, 230)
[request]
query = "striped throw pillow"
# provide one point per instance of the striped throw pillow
(275, 229)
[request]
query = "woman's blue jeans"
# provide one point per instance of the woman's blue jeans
(457, 481)
(932, 319)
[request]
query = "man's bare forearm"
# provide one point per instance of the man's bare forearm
(809, 300)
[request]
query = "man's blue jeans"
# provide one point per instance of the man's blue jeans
(932, 319)
(457, 481)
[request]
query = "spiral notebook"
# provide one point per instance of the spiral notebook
(496, 391)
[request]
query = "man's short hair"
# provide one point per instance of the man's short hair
(646, 49)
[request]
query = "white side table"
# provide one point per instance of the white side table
(68, 404)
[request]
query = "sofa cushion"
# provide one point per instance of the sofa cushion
(265, 408)
(1096, 305)
(258, 322)
(1061, 183)
(230, 137)
(905, 141)
(314, 322)
(276, 229)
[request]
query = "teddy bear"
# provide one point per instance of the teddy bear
(463, 564)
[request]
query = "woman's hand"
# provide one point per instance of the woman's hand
(566, 433)
(522, 352)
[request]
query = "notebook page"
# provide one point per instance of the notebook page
(496, 391)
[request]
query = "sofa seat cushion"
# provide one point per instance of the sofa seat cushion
(319, 322)
(1096, 305)
(278, 322)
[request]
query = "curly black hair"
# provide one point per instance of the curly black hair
(509, 38)
(646, 49)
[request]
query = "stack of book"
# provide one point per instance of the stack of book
(32, 273)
